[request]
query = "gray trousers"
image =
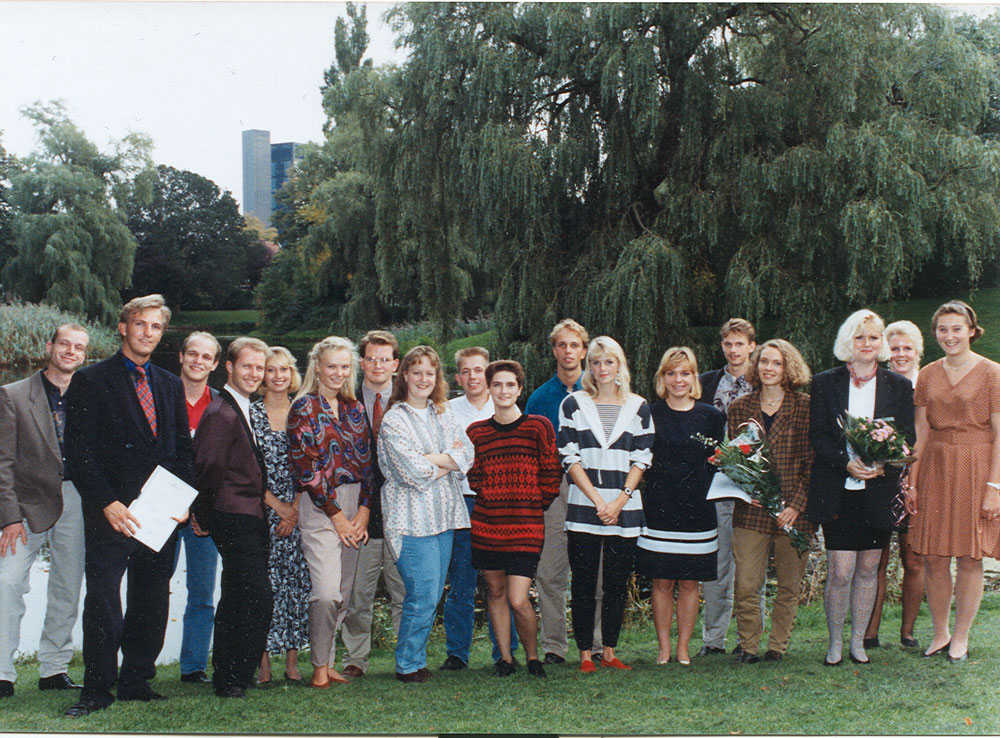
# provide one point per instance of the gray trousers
(331, 569)
(356, 632)
(552, 579)
(65, 539)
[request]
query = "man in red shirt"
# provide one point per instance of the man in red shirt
(199, 357)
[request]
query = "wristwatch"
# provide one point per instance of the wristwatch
(628, 491)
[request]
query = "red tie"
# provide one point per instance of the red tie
(145, 397)
(377, 413)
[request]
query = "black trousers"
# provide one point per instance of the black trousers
(586, 551)
(139, 634)
(243, 616)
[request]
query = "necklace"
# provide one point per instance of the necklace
(772, 403)
(960, 366)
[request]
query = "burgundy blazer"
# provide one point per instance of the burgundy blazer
(229, 470)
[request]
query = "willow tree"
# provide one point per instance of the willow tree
(649, 167)
(72, 248)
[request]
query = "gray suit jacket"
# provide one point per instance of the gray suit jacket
(31, 470)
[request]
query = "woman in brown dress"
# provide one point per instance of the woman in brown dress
(954, 493)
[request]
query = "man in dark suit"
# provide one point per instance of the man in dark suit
(125, 418)
(231, 480)
(39, 504)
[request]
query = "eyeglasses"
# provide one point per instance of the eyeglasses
(373, 360)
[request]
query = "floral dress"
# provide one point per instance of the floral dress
(287, 566)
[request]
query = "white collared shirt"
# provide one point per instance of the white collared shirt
(466, 414)
(243, 403)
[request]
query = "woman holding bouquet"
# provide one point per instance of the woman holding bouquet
(954, 493)
(851, 499)
(906, 349)
(605, 440)
(679, 543)
(777, 370)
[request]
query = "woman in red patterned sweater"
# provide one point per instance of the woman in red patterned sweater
(516, 477)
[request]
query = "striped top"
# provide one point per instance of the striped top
(608, 413)
(516, 477)
(606, 460)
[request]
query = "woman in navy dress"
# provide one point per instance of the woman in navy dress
(679, 543)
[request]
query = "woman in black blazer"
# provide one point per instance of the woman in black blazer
(852, 501)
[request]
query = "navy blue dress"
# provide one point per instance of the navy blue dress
(680, 539)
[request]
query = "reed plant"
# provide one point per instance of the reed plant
(25, 328)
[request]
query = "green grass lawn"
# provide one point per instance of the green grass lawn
(899, 693)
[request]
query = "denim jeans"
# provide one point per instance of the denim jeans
(459, 605)
(423, 564)
(202, 560)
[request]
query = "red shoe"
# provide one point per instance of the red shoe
(587, 667)
(614, 664)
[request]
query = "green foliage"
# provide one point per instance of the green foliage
(25, 329)
(194, 247)
(71, 246)
(7, 165)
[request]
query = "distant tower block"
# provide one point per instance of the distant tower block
(265, 169)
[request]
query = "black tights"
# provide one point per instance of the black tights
(586, 551)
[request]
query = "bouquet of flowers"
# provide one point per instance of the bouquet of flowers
(876, 441)
(743, 459)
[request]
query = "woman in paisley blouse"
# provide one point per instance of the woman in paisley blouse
(330, 452)
(287, 566)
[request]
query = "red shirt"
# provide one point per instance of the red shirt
(195, 410)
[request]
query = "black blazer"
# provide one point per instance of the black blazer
(110, 448)
(709, 383)
(893, 399)
(375, 526)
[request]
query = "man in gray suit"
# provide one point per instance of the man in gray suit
(39, 504)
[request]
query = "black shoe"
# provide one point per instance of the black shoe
(425, 672)
(535, 668)
(554, 658)
(231, 691)
(84, 708)
(871, 643)
(856, 660)
(58, 681)
(937, 651)
(909, 642)
(453, 663)
(738, 650)
(196, 677)
(139, 694)
(6, 688)
(596, 658)
(708, 651)
(958, 659)
(747, 658)
(838, 662)
(771, 655)
(504, 668)
(414, 677)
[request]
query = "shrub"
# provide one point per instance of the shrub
(25, 328)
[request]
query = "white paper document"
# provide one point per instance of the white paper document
(163, 497)
(725, 488)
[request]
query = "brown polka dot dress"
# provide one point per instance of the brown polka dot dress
(955, 464)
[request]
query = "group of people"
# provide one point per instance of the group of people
(311, 487)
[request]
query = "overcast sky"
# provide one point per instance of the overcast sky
(191, 75)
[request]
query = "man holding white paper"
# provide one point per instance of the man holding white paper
(125, 417)
(231, 479)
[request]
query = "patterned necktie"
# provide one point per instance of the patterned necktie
(145, 397)
(377, 413)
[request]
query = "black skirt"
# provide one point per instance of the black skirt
(849, 530)
(516, 563)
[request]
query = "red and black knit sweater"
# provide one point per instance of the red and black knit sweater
(516, 477)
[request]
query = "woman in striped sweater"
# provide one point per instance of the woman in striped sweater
(605, 444)
(516, 477)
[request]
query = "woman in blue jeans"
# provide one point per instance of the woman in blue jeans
(423, 454)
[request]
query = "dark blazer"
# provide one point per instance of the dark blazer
(709, 383)
(893, 399)
(230, 472)
(110, 448)
(375, 527)
(791, 457)
(31, 468)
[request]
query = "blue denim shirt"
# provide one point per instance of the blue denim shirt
(547, 398)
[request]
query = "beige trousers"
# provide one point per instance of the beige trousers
(750, 553)
(331, 567)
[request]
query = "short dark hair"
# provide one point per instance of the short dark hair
(68, 327)
(739, 325)
(379, 338)
(959, 307)
(505, 365)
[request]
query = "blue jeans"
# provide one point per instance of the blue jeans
(202, 560)
(423, 565)
(459, 605)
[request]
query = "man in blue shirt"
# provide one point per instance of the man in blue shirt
(569, 342)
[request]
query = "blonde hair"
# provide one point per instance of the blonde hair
(607, 346)
(797, 373)
(284, 356)
(204, 335)
(958, 307)
(310, 385)
(242, 343)
(465, 353)
(439, 395)
(843, 346)
(908, 329)
(141, 304)
(568, 324)
(673, 357)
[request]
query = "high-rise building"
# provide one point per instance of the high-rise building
(265, 170)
